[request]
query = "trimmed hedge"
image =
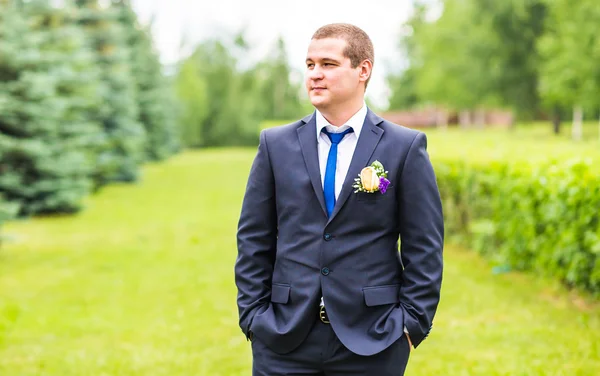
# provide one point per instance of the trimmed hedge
(543, 218)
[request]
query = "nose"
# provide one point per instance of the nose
(315, 73)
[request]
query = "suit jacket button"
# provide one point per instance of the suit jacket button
(325, 271)
(327, 236)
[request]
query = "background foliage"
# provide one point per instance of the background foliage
(534, 57)
(70, 106)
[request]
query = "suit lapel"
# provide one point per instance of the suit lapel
(307, 134)
(367, 141)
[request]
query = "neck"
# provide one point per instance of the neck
(339, 116)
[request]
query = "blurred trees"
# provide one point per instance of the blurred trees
(223, 96)
(193, 95)
(227, 122)
(570, 73)
(44, 94)
(84, 102)
(451, 72)
(155, 99)
(478, 53)
(534, 57)
(123, 135)
(73, 116)
(280, 98)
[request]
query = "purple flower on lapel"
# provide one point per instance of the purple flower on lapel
(383, 184)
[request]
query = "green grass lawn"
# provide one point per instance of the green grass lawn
(529, 142)
(141, 283)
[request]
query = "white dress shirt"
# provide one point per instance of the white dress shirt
(345, 147)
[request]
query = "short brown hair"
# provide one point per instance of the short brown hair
(359, 46)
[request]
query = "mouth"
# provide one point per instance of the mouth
(318, 88)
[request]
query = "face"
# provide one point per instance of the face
(330, 79)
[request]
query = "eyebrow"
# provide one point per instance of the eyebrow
(326, 59)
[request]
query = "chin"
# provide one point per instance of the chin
(318, 102)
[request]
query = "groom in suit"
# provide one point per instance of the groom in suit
(323, 286)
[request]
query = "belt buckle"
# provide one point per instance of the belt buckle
(323, 315)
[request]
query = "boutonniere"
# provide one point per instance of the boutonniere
(371, 179)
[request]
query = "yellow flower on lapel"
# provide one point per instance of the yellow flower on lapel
(369, 179)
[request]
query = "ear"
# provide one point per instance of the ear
(365, 70)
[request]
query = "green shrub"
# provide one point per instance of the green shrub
(542, 217)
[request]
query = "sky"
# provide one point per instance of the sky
(265, 20)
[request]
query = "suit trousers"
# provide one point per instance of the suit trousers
(322, 353)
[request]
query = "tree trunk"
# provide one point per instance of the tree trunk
(464, 118)
(512, 125)
(577, 128)
(556, 121)
(480, 118)
(442, 119)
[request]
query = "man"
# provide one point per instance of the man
(322, 288)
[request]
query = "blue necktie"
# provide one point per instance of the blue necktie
(329, 183)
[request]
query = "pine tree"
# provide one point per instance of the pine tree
(122, 145)
(46, 143)
(155, 99)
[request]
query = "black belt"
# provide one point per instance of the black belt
(323, 315)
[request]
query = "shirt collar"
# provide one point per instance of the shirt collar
(355, 122)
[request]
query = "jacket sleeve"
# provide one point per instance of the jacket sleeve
(422, 238)
(256, 239)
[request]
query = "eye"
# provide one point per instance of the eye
(310, 65)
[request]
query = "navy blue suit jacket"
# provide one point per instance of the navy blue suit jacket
(290, 253)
